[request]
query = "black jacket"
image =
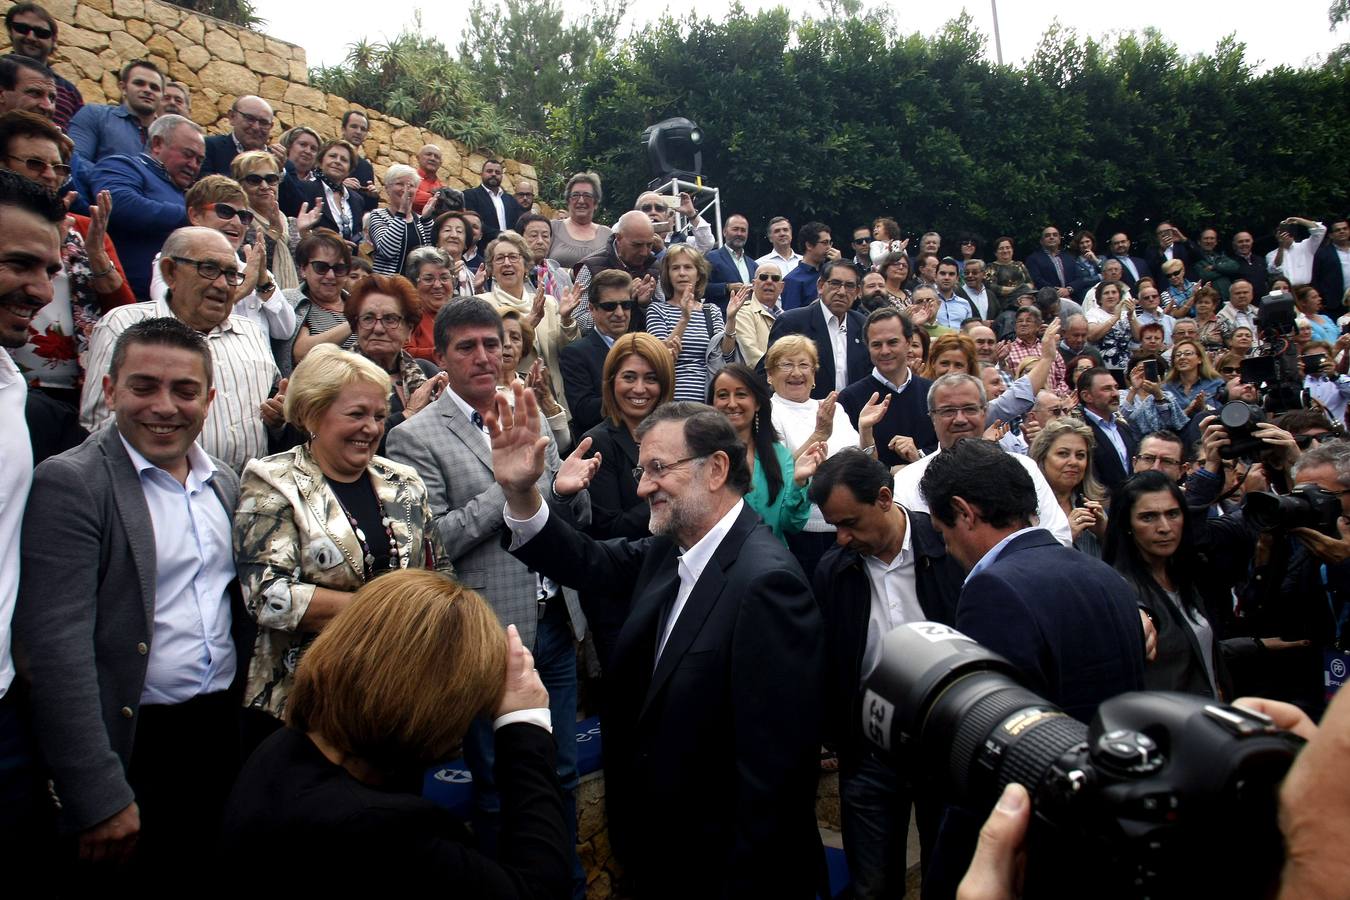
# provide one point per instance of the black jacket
(582, 363)
(809, 320)
(348, 833)
(312, 193)
(478, 200)
(220, 152)
(845, 595)
(712, 751)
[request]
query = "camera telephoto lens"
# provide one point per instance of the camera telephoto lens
(1164, 795)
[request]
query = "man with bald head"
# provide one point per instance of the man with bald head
(629, 251)
(201, 272)
(250, 127)
(428, 168)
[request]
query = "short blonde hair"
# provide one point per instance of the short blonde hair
(322, 375)
(250, 161)
(791, 345)
(214, 189)
(397, 677)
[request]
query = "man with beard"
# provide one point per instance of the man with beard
(30, 218)
(498, 209)
(720, 659)
(32, 33)
(732, 268)
(874, 295)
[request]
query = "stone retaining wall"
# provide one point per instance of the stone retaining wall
(219, 62)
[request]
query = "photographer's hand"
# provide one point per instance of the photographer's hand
(996, 870)
(1213, 437)
(1328, 549)
(1314, 800)
(1277, 438)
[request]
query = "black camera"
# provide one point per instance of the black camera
(1164, 795)
(1306, 506)
(447, 200)
(1239, 420)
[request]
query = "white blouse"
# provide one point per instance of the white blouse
(794, 421)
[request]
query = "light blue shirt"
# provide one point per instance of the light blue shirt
(954, 311)
(100, 131)
(1108, 426)
(191, 651)
(995, 551)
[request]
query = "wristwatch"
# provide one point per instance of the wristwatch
(266, 288)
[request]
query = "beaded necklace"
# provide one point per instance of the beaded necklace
(397, 558)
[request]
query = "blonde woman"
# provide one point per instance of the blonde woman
(1063, 451)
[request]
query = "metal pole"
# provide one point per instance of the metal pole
(998, 43)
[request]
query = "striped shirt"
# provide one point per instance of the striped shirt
(700, 347)
(394, 238)
(243, 373)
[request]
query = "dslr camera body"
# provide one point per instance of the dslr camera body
(1305, 506)
(1163, 795)
(1274, 372)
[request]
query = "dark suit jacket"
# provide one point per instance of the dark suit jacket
(1106, 461)
(712, 752)
(364, 173)
(290, 795)
(724, 272)
(1068, 622)
(1042, 269)
(478, 200)
(220, 152)
(582, 363)
(844, 591)
(1180, 251)
(88, 528)
(1328, 279)
(1141, 265)
(312, 193)
(291, 191)
(809, 320)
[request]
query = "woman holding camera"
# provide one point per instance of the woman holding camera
(389, 688)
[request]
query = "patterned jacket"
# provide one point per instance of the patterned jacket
(291, 536)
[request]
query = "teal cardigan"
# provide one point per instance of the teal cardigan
(790, 509)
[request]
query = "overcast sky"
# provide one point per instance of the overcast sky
(1298, 34)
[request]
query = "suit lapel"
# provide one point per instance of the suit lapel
(309, 482)
(465, 430)
(129, 497)
(702, 599)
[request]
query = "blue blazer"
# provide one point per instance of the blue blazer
(1042, 269)
(807, 320)
(724, 272)
(1106, 463)
(1141, 265)
(1068, 622)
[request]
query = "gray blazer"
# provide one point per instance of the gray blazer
(88, 581)
(455, 463)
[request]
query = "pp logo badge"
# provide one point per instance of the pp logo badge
(1338, 668)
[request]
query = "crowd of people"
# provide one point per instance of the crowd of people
(287, 445)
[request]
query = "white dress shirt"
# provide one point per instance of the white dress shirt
(691, 565)
(980, 300)
(1297, 263)
(785, 264)
(738, 260)
(895, 598)
(496, 198)
(837, 329)
(191, 652)
(1049, 513)
(16, 476)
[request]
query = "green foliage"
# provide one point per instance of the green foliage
(237, 12)
(416, 79)
(843, 118)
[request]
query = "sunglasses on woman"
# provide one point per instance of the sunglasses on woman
(323, 268)
(227, 212)
(254, 179)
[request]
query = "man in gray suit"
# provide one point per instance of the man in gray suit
(123, 624)
(450, 448)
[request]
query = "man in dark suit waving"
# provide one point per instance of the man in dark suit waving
(498, 209)
(1067, 621)
(834, 325)
(714, 720)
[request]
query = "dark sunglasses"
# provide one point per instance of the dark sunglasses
(767, 277)
(37, 31)
(1304, 441)
(226, 211)
(611, 305)
(860, 241)
(322, 268)
(254, 180)
(1230, 370)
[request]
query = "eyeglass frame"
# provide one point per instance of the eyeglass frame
(61, 170)
(368, 320)
(659, 469)
(233, 278)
